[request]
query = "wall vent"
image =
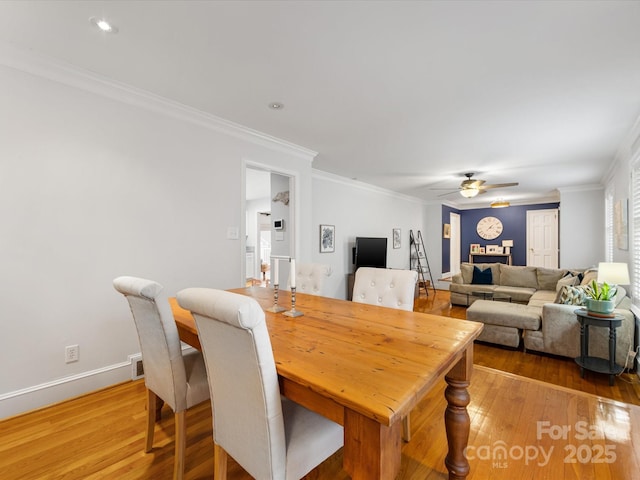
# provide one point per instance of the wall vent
(137, 369)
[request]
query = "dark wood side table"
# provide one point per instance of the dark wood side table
(596, 364)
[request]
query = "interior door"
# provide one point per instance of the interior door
(542, 238)
(454, 250)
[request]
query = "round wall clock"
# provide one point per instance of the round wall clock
(489, 228)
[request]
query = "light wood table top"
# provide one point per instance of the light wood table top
(366, 367)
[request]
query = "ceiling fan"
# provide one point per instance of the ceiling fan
(470, 187)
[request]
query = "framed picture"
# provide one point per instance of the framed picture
(446, 230)
(474, 248)
(494, 249)
(480, 250)
(397, 242)
(327, 238)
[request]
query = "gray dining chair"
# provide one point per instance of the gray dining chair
(178, 380)
(387, 287)
(271, 437)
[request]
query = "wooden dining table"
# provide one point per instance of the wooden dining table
(366, 367)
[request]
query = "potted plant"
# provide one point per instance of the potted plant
(600, 298)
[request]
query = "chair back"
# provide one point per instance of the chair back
(164, 370)
(247, 409)
(385, 287)
(310, 277)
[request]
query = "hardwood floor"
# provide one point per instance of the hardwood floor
(101, 435)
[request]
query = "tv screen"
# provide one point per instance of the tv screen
(371, 252)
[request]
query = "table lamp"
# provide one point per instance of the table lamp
(613, 273)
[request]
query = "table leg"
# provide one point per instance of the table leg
(371, 450)
(456, 417)
(612, 354)
(583, 346)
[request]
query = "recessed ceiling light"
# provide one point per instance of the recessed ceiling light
(103, 25)
(276, 106)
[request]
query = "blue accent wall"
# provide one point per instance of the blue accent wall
(514, 221)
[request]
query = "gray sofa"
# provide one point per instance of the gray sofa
(534, 316)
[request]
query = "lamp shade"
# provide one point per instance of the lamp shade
(469, 192)
(614, 273)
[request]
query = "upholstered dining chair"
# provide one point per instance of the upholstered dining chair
(310, 277)
(269, 436)
(386, 287)
(178, 380)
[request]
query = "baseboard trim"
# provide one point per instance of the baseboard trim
(37, 396)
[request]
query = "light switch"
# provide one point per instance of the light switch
(233, 233)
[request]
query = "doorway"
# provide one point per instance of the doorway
(454, 247)
(268, 222)
(542, 238)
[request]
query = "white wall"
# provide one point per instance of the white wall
(582, 227)
(98, 181)
(358, 209)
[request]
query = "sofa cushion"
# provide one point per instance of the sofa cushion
(517, 294)
(588, 276)
(548, 277)
(569, 280)
(518, 276)
(466, 269)
(541, 297)
(569, 295)
(482, 277)
(505, 314)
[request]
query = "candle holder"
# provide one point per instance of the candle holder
(293, 312)
(275, 308)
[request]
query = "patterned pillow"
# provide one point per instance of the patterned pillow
(570, 295)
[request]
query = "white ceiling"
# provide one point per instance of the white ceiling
(404, 95)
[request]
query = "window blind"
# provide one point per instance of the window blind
(635, 229)
(609, 228)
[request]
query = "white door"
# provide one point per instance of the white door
(542, 238)
(454, 244)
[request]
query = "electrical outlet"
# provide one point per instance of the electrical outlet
(71, 353)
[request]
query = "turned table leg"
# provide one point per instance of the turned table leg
(456, 417)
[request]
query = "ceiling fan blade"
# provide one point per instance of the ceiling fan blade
(448, 193)
(499, 185)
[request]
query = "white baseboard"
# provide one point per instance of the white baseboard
(38, 396)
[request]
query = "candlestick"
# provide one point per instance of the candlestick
(293, 312)
(275, 308)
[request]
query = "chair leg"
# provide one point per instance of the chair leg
(151, 419)
(406, 428)
(219, 462)
(180, 447)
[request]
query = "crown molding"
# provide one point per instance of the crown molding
(39, 65)
(331, 177)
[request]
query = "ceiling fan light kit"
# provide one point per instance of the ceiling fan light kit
(500, 204)
(469, 192)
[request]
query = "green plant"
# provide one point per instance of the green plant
(600, 292)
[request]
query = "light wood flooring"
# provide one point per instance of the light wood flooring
(101, 435)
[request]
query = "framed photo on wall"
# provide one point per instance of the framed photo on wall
(327, 238)
(397, 241)
(446, 230)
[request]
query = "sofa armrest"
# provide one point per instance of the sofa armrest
(561, 333)
(457, 278)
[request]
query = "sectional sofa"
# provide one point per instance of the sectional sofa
(537, 307)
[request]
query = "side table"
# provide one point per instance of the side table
(596, 364)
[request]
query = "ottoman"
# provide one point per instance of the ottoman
(503, 322)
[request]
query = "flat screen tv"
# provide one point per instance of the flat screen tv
(371, 252)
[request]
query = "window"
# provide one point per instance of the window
(609, 238)
(635, 231)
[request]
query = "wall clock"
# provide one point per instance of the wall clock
(489, 228)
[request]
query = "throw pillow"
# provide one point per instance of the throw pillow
(569, 280)
(548, 277)
(569, 295)
(482, 277)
